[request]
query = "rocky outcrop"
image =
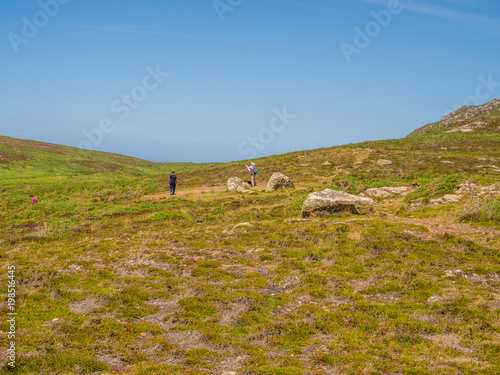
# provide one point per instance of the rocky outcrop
(237, 184)
(385, 192)
(468, 112)
(278, 181)
(473, 189)
(446, 199)
(466, 119)
(491, 277)
(327, 202)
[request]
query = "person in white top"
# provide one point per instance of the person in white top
(253, 171)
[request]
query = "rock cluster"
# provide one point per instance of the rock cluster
(385, 192)
(446, 199)
(467, 112)
(491, 190)
(237, 184)
(491, 277)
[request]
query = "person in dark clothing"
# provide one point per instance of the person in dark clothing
(173, 183)
(33, 200)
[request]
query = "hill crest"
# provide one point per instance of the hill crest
(466, 119)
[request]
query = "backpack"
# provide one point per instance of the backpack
(255, 169)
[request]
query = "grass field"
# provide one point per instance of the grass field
(116, 276)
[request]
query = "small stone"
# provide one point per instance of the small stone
(243, 225)
(434, 299)
(384, 162)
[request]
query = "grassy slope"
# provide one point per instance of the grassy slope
(113, 274)
(25, 159)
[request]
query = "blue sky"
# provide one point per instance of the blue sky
(205, 80)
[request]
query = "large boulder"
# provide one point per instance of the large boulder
(237, 184)
(278, 181)
(327, 202)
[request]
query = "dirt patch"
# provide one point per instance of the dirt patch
(228, 316)
(85, 306)
(339, 300)
(284, 286)
(231, 363)
(384, 297)
(111, 361)
(187, 340)
(157, 319)
(450, 341)
(360, 285)
(438, 227)
(38, 281)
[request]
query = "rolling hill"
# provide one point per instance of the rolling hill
(114, 275)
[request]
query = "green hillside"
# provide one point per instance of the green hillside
(115, 275)
(27, 159)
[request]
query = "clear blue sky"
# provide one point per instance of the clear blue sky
(340, 71)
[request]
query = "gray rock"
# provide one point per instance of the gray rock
(491, 277)
(492, 190)
(468, 112)
(474, 189)
(327, 202)
(446, 199)
(467, 189)
(385, 192)
(237, 184)
(278, 181)
(243, 225)
(435, 298)
(383, 162)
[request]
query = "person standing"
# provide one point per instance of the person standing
(173, 183)
(253, 171)
(33, 200)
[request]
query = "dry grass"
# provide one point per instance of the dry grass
(114, 275)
